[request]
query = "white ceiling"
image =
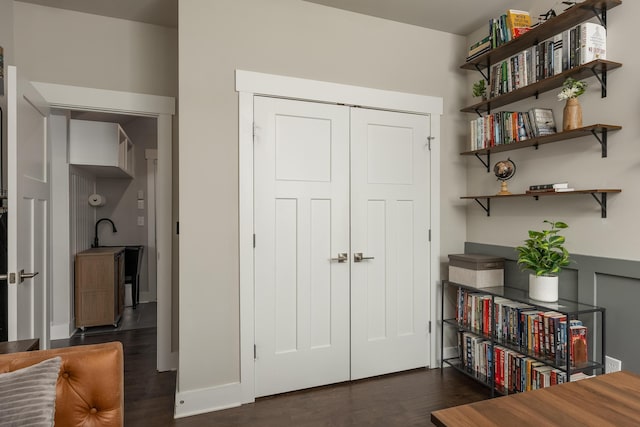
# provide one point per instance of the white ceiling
(453, 16)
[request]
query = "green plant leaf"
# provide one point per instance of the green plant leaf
(543, 252)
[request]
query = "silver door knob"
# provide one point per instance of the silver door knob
(358, 257)
(21, 276)
(342, 257)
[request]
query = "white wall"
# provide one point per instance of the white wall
(299, 39)
(577, 161)
(122, 199)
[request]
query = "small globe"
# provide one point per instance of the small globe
(504, 169)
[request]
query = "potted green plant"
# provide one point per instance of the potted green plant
(480, 89)
(544, 254)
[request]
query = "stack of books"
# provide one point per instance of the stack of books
(479, 48)
(558, 187)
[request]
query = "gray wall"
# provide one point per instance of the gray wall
(81, 49)
(577, 161)
(6, 41)
(606, 282)
(298, 39)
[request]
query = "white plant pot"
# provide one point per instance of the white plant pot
(543, 288)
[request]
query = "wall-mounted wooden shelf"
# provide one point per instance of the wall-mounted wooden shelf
(599, 131)
(570, 18)
(597, 68)
(602, 200)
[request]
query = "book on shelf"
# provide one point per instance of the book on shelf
(552, 186)
(593, 42)
(542, 121)
(550, 190)
(518, 22)
(579, 353)
(479, 48)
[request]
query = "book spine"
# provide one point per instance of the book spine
(593, 42)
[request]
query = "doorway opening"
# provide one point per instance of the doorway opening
(98, 194)
(162, 109)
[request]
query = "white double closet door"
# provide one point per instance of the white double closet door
(332, 182)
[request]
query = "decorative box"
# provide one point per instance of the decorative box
(477, 270)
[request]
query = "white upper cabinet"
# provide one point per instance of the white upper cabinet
(102, 148)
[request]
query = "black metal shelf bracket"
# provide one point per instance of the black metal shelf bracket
(486, 164)
(481, 71)
(602, 202)
(602, 141)
(603, 81)
(601, 14)
(486, 208)
(478, 112)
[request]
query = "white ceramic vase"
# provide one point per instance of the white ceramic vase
(543, 288)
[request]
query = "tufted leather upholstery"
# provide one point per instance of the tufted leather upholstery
(90, 388)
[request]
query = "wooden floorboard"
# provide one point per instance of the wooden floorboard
(404, 399)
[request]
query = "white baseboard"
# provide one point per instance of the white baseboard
(204, 400)
(62, 331)
(168, 364)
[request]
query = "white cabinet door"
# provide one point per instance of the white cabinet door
(28, 209)
(389, 226)
(301, 157)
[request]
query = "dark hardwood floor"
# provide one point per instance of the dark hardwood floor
(404, 399)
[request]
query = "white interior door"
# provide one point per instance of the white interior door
(28, 210)
(301, 157)
(390, 228)
(331, 179)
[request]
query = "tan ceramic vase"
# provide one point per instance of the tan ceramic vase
(572, 115)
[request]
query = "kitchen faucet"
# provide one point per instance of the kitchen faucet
(113, 226)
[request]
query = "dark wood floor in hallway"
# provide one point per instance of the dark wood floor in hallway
(404, 399)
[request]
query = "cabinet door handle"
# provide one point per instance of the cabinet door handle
(342, 257)
(358, 257)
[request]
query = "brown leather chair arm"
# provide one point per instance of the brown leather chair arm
(90, 388)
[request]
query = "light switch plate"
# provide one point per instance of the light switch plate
(140, 220)
(140, 204)
(140, 195)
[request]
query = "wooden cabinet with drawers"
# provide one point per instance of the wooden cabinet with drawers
(99, 286)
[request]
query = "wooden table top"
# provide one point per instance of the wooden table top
(606, 400)
(19, 346)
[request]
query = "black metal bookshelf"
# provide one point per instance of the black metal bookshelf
(571, 309)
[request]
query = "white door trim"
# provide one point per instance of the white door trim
(249, 84)
(151, 156)
(162, 108)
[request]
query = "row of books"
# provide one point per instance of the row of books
(501, 30)
(507, 127)
(509, 26)
(558, 187)
(549, 334)
(579, 45)
(514, 372)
